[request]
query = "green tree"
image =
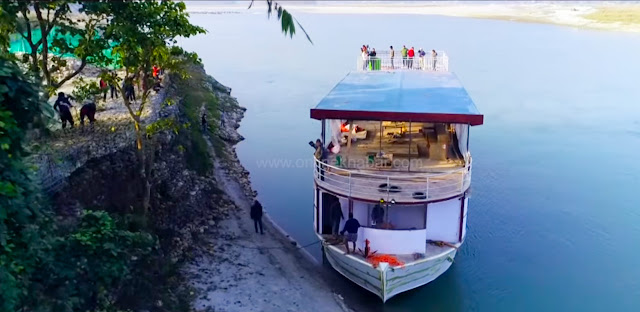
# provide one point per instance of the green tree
(36, 20)
(21, 108)
(142, 32)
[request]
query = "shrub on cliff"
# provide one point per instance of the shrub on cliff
(89, 264)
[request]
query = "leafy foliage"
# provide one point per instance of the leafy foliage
(287, 20)
(88, 266)
(37, 21)
(85, 90)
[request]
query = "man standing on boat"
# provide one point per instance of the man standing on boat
(404, 52)
(336, 216)
(377, 214)
(392, 53)
(351, 227)
(411, 54)
(321, 155)
(434, 55)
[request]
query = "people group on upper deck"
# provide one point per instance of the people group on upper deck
(371, 60)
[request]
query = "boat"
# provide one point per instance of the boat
(410, 157)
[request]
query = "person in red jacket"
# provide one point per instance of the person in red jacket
(411, 54)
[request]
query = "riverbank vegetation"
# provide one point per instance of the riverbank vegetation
(102, 256)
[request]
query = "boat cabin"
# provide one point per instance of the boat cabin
(396, 140)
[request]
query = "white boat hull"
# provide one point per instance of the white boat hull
(386, 281)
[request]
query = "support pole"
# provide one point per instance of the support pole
(410, 137)
(323, 132)
(350, 123)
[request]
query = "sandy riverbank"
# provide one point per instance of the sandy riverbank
(615, 16)
(236, 269)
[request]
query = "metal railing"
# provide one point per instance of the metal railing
(403, 188)
(383, 61)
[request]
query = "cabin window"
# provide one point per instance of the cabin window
(397, 146)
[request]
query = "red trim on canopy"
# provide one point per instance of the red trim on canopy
(474, 120)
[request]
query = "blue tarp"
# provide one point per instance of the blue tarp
(392, 95)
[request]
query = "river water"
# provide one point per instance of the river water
(554, 218)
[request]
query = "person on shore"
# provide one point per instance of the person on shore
(128, 86)
(377, 214)
(392, 54)
(112, 85)
(103, 88)
(351, 227)
(336, 216)
(157, 85)
(155, 71)
(434, 56)
(63, 107)
(88, 110)
(204, 122)
(411, 54)
(404, 52)
(256, 215)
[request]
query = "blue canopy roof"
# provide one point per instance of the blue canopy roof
(404, 95)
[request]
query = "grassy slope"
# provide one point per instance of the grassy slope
(195, 95)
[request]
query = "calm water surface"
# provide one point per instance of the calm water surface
(554, 219)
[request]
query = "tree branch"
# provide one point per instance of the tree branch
(77, 71)
(29, 37)
(45, 42)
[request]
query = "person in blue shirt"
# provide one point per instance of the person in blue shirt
(351, 227)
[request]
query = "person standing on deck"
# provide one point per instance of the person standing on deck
(351, 227)
(411, 54)
(434, 56)
(404, 52)
(321, 155)
(365, 57)
(421, 55)
(377, 214)
(392, 53)
(336, 216)
(256, 215)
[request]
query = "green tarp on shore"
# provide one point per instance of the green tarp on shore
(20, 45)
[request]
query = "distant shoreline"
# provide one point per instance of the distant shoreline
(603, 16)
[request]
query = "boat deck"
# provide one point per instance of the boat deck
(432, 251)
(372, 187)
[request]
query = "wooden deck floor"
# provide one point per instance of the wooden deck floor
(432, 250)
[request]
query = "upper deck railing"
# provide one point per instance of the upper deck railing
(383, 61)
(403, 188)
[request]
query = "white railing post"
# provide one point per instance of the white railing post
(427, 193)
(388, 188)
(349, 184)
